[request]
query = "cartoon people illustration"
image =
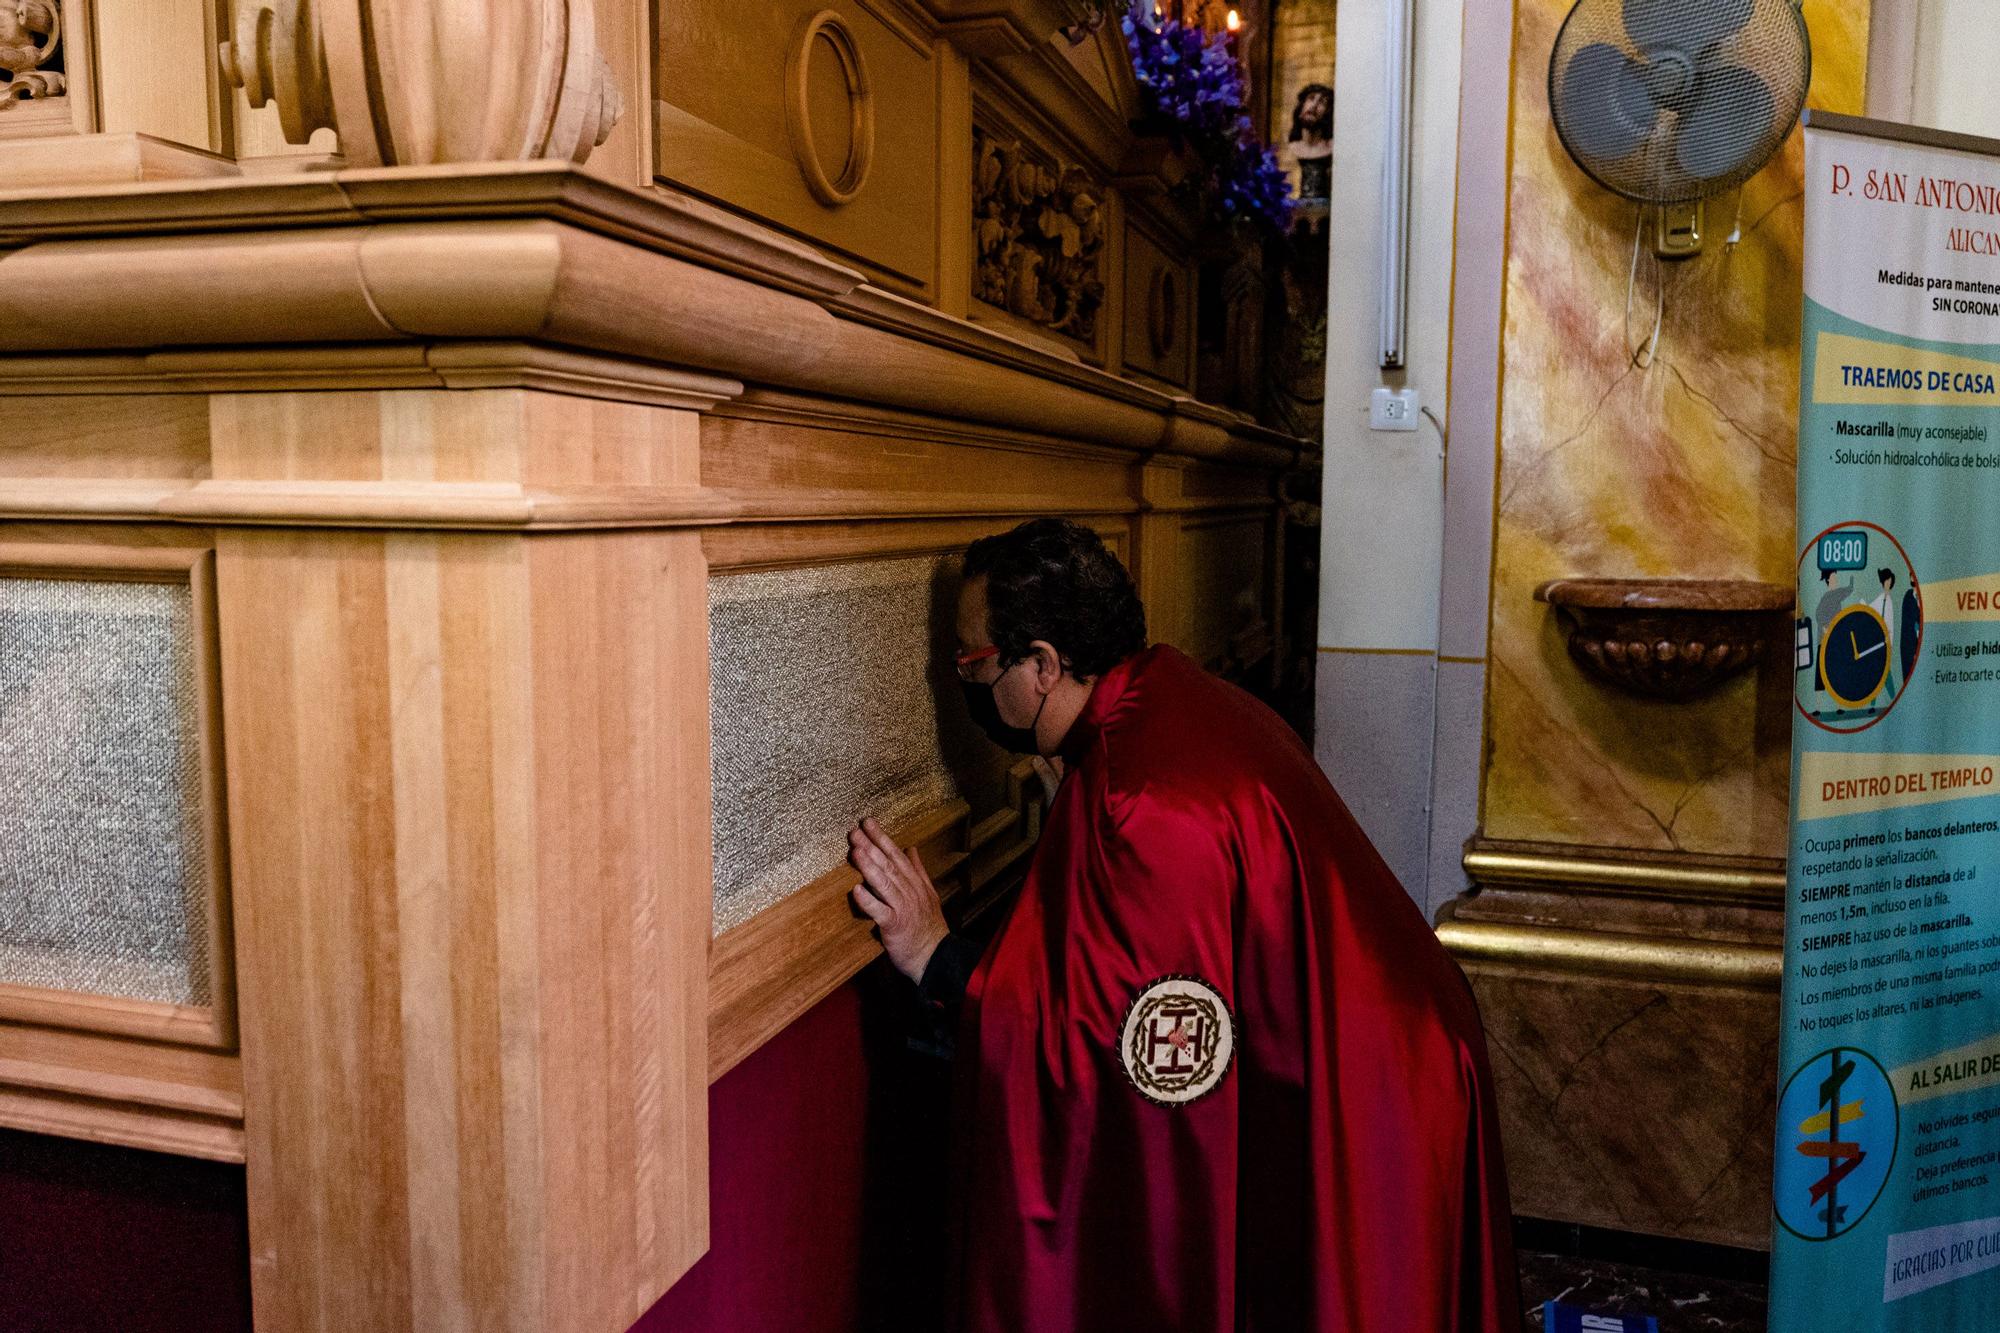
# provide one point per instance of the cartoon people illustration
(1831, 600)
(1855, 651)
(1885, 607)
(1910, 628)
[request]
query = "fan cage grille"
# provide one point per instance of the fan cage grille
(1681, 114)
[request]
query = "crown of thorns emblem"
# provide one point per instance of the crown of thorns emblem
(1177, 1040)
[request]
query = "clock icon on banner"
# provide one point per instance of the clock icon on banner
(1854, 657)
(1858, 626)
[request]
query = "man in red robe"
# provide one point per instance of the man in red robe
(1216, 1072)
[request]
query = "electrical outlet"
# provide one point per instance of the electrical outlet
(1393, 409)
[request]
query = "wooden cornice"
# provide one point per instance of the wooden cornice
(1043, 84)
(1041, 95)
(326, 276)
(996, 27)
(656, 220)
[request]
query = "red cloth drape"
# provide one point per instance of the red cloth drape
(1343, 1174)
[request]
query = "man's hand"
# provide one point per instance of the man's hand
(896, 893)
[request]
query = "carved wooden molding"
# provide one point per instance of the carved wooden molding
(996, 28)
(420, 81)
(1038, 235)
(693, 292)
(831, 190)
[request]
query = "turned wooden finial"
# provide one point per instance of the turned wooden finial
(404, 82)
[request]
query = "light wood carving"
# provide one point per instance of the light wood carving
(830, 190)
(30, 44)
(468, 443)
(1038, 230)
(417, 81)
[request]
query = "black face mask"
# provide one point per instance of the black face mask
(985, 710)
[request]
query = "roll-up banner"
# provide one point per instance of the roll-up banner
(1886, 1190)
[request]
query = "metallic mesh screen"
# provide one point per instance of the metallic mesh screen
(103, 876)
(826, 685)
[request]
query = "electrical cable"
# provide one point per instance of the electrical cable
(1647, 352)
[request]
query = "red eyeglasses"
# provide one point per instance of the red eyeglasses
(966, 662)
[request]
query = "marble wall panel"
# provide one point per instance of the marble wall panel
(1632, 1105)
(1685, 469)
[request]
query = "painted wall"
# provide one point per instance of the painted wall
(1466, 561)
(1382, 493)
(1685, 469)
(1931, 62)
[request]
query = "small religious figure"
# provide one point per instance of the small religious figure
(1295, 378)
(1310, 145)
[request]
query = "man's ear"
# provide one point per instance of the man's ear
(1048, 663)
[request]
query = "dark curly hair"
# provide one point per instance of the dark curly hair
(1054, 580)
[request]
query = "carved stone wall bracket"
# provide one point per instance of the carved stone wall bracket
(1666, 638)
(404, 82)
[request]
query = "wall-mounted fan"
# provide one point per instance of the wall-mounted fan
(1673, 102)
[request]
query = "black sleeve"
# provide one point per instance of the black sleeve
(940, 993)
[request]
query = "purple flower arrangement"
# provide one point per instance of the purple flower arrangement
(1193, 86)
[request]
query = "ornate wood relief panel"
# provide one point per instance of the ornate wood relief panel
(1038, 230)
(45, 64)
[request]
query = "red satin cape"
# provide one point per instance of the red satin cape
(1344, 1174)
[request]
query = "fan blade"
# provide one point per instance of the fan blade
(1685, 25)
(1732, 117)
(1604, 107)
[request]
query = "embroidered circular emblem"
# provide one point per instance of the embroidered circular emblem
(1177, 1041)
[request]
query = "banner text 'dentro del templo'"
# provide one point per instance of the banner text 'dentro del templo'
(1886, 1191)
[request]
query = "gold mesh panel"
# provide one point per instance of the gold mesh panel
(824, 701)
(103, 873)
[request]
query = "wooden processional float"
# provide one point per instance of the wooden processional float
(475, 523)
